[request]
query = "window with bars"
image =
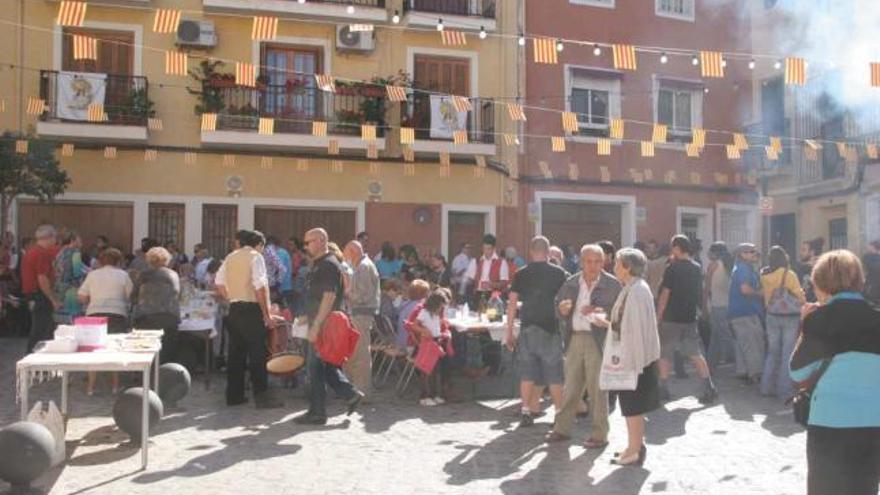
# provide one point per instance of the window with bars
(678, 9)
(219, 224)
(837, 234)
(737, 226)
(166, 223)
(594, 96)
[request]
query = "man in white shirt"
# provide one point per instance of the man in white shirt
(460, 265)
(489, 272)
(242, 281)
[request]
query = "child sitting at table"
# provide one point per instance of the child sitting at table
(427, 324)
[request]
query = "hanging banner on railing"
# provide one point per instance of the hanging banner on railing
(445, 119)
(77, 91)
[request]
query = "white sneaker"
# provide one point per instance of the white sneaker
(439, 400)
(428, 402)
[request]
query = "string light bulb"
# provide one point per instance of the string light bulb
(777, 65)
(723, 63)
(522, 40)
(695, 61)
(350, 9)
(483, 33)
(664, 58)
(752, 64)
(301, 1)
(439, 24)
(559, 46)
(597, 50)
(396, 17)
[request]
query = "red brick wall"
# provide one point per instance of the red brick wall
(394, 222)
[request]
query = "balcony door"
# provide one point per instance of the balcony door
(115, 57)
(291, 91)
(448, 75)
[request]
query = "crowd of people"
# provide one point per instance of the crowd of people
(600, 330)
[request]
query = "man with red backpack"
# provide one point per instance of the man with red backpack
(489, 272)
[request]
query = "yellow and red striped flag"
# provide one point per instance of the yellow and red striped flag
(36, 106)
(480, 161)
(692, 150)
(375, 169)
(603, 147)
(516, 112)
(733, 152)
(264, 28)
(368, 132)
(319, 128)
(151, 155)
(85, 47)
(772, 153)
(479, 173)
(337, 167)
(637, 176)
(545, 51)
(460, 137)
(875, 74)
(660, 133)
(21, 146)
(649, 174)
(811, 150)
(569, 122)
(444, 159)
(604, 174)
(190, 158)
(711, 64)
(209, 122)
(372, 151)
(453, 38)
(302, 164)
(670, 177)
(696, 179)
(841, 148)
(176, 63)
(616, 130)
(409, 169)
(155, 124)
(96, 113)
(2, 105)
(740, 141)
(266, 162)
(245, 74)
(110, 152)
(698, 137)
(166, 21)
(407, 135)
(511, 140)
(776, 143)
(326, 82)
(71, 13)
(647, 149)
(267, 126)
(228, 160)
(544, 167)
(722, 178)
(67, 149)
(795, 71)
(871, 151)
(396, 93)
(574, 172)
(409, 154)
(461, 103)
(624, 57)
(333, 147)
(557, 144)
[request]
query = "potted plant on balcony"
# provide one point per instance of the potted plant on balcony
(209, 90)
(136, 108)
(244, 117)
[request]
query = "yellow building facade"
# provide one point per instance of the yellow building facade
(167, 177)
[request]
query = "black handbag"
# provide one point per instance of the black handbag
(800, 402)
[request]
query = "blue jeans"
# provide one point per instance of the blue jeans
(782, 332)
(321, 375)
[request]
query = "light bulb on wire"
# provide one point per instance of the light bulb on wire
(301, 1)
(664, 58)
(695, 61)
(483, 33)
(723, 63)
(522, 40)
(350, 9)
(597, 50)
(396, 17)
(439, 24)
(777, 65)
(559, 46)
(752, 64)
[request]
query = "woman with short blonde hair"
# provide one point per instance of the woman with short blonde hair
(156, 301)
(841, 335)
(158, 257)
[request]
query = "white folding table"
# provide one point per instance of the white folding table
(84, 362)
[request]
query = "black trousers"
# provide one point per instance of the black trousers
(42, 319)
(248, 349)
(843, 461)
(167, 323)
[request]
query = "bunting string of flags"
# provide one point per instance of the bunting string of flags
(368, 132)
(603, 147)
(711, 64)
(67, 149)
(266, 126)
(396, 93)
(267, 162)
(155, 124)
(71, 13)
(516, 112)
(151, 155)
(21, 146)
(459, 137)
(616, 129)
(166, 21)
(372, 151)
(319, 128)
(795, 71)
(545, 51)
(85, 47)
(190, 158)
(325, 82)
(453, 38)
(36, 106)
(647, 149)
(624, 57)
(176, 63)
(569, 122)
(302, 165)
(544, 167)
(264, 28)
(461, 104)
(660, 133)
(110, 152)
(245, 74)
(407, 135)
(557, 144)
(698, 137)
(573, 172)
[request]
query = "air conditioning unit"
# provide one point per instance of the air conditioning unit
(196, 34)
(356, 41)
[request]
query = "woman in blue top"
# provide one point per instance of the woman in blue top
(388, 265)
(843, 436)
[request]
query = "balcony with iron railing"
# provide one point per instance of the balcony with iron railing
(456, 14)
(348, 10)
(295, 107)
(435, 122)
(68, 96)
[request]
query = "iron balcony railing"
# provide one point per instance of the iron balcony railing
(295, 107)
(471, 8)
(126, 98)
(356, 3)
(480, 123)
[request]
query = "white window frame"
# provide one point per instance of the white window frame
(605, 4)
(752, 221)
(691, 17)
(609, 84)
(696, 102)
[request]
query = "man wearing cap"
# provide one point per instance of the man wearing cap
(746, 308)
(242, 281)
(489, 272)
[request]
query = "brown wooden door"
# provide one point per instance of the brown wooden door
(294, 222)
(89, 219)
(167, 223)
(115, 58)
(576, 224)
(449, 75)
(291, 91)
(465, 227)
(219, 225)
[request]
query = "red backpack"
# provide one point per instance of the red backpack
(338, 339)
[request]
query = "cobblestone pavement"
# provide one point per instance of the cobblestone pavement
(743, 445)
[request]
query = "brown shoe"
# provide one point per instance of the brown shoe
(555, 436)
(592, 443)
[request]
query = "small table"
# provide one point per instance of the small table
(89, 361)
(472, 324)
(199, 315)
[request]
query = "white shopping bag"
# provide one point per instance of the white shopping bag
(51, 418)
(613, 376)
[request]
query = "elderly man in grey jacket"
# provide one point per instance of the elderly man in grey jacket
(363, 301)
(583, 303)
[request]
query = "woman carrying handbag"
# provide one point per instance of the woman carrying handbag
(838, 354)
(632, 349)
(783, 298)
